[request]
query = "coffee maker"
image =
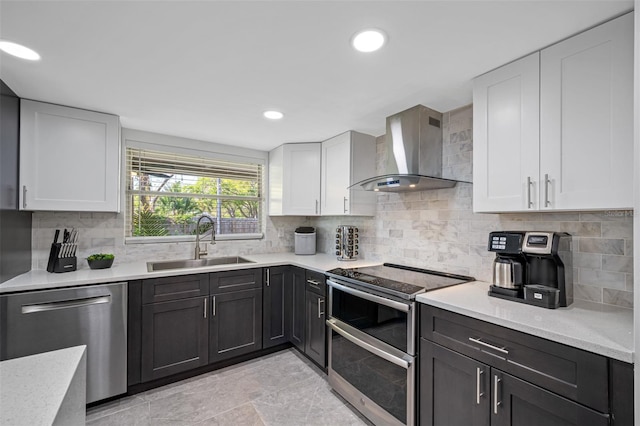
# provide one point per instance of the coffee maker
(547, 263)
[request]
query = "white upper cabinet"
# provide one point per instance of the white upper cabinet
(69, 159)
(347, 159)
(505, 137)
(586, 119)
(294, 180)
(554, 130)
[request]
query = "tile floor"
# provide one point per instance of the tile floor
(278, 389)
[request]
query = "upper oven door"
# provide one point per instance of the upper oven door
(387, 320)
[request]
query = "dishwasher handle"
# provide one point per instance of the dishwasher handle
(64, 304)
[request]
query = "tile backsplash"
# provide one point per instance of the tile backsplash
(429, 229)
(104, 232)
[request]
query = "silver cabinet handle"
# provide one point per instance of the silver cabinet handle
(495, 348)
(320, 313)
(317, 206)
(268, 277)
(24, 196)
(479, 392)
(546, 190)
(205, 307)
(344, 204)
(213, 306)
(314, 282)
(529, 202)
(496, 381)
(64, 304)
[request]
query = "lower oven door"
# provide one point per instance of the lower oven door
(376, 378)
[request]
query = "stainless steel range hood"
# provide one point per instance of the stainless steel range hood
(413, 153)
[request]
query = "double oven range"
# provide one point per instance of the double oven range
(372, 342)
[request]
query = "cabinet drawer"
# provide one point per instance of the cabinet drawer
(315, 281)
(229, 281)
(576, 374)
(174, 288)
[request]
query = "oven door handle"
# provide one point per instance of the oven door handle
(369, 347)
(404, 307)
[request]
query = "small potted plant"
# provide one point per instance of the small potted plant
(100, 261)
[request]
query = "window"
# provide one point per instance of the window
(167, 193)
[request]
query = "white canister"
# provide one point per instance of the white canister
(305, 240)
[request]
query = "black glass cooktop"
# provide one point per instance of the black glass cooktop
(402, 281)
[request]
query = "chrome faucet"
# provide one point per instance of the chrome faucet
(199, 252)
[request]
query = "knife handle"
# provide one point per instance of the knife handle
(55, 238)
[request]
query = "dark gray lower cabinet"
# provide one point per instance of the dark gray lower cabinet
(296, 317)
(236, 324)
(476, 373)
(315, 345)
(174, 337)
(458, 390)
(274, 327)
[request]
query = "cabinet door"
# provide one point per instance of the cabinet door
(301, 171)
(316, 330)
(69, 159)
(236, 324)
(347, 159)
(174, 337)
(506, 137)
(336, 175)
(273, 295)
(297, 308)
(454, 389)
(586, 121)
(519, 403)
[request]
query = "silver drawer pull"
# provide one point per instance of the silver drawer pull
(314, 282)
(495, 348)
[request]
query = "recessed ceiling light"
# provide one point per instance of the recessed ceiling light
(273, 115)
(19, 50)
(368, 40)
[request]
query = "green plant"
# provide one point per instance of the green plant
(100, 256)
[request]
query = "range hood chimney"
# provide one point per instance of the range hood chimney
(413, 153)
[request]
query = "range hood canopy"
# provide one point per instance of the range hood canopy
(413, 153)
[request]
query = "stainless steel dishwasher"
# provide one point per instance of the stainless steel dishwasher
(96, 316)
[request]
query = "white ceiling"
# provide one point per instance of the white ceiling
(206, 70)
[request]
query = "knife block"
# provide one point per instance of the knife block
(59, 264)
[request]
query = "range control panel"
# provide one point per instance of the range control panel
(506, 242)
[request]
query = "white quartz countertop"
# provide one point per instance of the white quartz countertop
(603, 329)
(42, 280)
(33, 388)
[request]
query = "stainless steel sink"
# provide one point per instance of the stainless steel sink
(199, 263)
